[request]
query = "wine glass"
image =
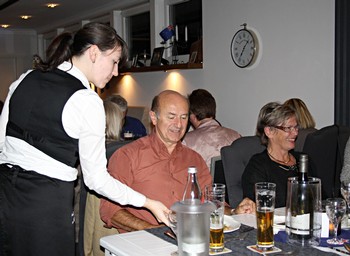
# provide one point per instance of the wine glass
(335, 209)
(345, 192)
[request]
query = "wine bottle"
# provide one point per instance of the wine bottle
(192, 193)
(302, 208)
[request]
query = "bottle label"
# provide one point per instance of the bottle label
(193, 248)
(300, 224)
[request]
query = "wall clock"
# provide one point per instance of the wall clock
(244, 47)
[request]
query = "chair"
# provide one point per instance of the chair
(325, 148)
(235, 157)
(217, 173)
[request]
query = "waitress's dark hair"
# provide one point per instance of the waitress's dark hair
(67, 45)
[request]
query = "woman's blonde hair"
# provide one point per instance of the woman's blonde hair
(302, 113)
(114, 118)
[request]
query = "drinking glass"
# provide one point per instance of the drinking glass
(216, 194)
(335, 209)
(345, 192)
(172, 221)
(265, 194)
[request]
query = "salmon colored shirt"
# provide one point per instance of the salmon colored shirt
(146, 166)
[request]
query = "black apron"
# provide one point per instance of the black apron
(36, 214)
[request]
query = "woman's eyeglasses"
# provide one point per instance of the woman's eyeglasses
(288, 129)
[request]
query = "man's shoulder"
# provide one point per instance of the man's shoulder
(231, 132)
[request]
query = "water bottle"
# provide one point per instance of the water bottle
(192, 193)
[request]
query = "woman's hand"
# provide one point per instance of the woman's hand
(159, 210)
(245, 206)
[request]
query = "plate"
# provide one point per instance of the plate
(230, 224)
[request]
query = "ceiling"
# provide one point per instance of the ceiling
(69, 12)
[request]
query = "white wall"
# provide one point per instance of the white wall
(297, 60)
(16, 51)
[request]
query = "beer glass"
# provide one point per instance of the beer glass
(265, 194)
(216, 194)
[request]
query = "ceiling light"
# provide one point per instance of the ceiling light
(4, 25)
(52, 5)
(25, 17)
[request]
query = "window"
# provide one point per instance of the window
(187, 14)
(139, 38)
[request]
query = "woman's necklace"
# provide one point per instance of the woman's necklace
(279, 161)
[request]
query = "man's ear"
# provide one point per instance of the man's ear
(153, 117)
(194, 121)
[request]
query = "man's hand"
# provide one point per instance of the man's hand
(246, 206)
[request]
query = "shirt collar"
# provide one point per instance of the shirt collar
(159, 146)
(209, 122)
(74, 71)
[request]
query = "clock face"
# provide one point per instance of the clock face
(243, 48)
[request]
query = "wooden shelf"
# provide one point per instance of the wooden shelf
(125, 71)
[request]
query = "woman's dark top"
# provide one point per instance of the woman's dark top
(261, 168)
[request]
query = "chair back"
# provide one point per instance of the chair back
(217, 173)
(325, 148)
(235, 157)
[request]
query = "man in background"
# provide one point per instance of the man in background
(208, 136)
(131, 125)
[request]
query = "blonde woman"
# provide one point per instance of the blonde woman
(305, 121)
(93, 225)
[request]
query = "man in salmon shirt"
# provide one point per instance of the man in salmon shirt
(155, 165)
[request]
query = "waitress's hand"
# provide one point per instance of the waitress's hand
(159, 210)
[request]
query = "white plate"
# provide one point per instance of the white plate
(230, 224)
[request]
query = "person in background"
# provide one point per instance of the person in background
(130, 124)
(208, 136)
(156, 165)
(305, 121)
(277, 128)
(94, 228)
(53, 121)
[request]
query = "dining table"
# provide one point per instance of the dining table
(155, 242)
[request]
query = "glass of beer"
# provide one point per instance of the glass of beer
(128, 135)
(216, 194)
(265, 194)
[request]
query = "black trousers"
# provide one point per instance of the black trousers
(36, 214)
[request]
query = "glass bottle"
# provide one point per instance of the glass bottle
(302, 208)
(192, 193)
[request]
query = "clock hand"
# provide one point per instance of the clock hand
(246, 42)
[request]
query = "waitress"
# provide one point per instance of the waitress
(51, 121)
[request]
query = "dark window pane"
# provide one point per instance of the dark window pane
(187, 14)
(139, 27)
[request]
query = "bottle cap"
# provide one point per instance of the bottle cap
(192, 169)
